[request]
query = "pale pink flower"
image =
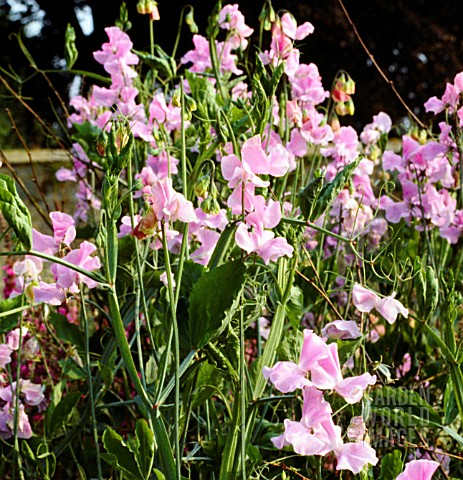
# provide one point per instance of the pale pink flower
(49, 293)
(419, 470)
(5, 355)
(341, 329)
(354, 456)
(262, 242)
(63, 228)
(7, 417)
(364, 300)
(168, 204)
(291, 30)
(230, 18)
(12, 337)
(116, 56)
(70, 279)
(389, 308)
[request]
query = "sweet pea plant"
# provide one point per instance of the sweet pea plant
(246, 288)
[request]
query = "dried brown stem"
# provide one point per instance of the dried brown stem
(34, 173)
(380, 71)
(25, 190)
(34, 114)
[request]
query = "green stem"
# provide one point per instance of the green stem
(90, 383)
(170, 289)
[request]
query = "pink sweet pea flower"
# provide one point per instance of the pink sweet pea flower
(291, 30)
(168, 204)
(341, 329)
(364, 300)
(5, 355)
(230, 18)
(12, 338)
(262, 242)
(354, 456)
(63, 228)
(7, 417)
(419, 470)
(69, 279)
(322, 361)
(389, 308)
(49, 293)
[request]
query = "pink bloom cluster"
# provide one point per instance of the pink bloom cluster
(30, 393)
(316, 433)
(365, 301)
(66, 280)
(254, 234)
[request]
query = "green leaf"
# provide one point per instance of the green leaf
(67, 332)
(223, 246)
(9, 322)
(309, 196)
(120, 456)
(213, 301)
(15, 212)
(450, 404)
(161, 62)
(62, 411)
(346, 348)
(294, 307)
(290, 347)
(70, 49)
(208, 381)
(432, 290)
(331, 190)
(404, 407)
(145, 447)
(391, 466)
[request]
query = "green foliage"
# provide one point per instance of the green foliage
(213, 302)
(15, 211)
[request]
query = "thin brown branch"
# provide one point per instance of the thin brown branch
(25, 190)
(321, 292)
(380, 70)
(34, 114)
(31, 163)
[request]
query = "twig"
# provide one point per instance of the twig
(381, 72)
(34, 173)
(25, 190)
(35, 115)
(321, 292)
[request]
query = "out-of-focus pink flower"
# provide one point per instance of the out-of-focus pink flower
(5, 355)
(7, 417)
(364, 300)
(341, 329)
(12, 337)
(357, 429)
(419, 470)
(49, 293)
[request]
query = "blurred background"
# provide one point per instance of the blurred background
(417, 43)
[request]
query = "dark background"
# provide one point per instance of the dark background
(418, 44)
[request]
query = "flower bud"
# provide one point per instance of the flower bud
(201, 186)
(148, 7)
(210, 205)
